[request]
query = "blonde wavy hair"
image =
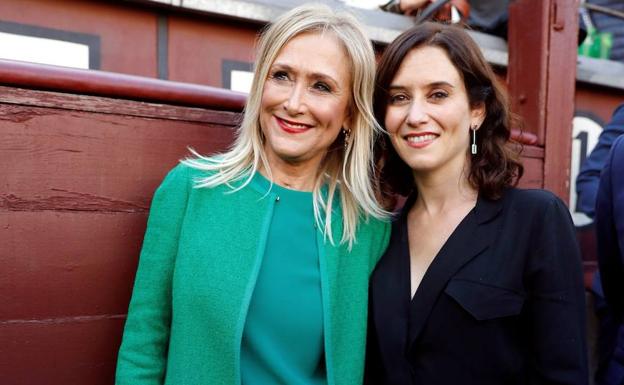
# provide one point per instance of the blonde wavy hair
(347, 168)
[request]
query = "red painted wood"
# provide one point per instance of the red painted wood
(524, 137)
(68, 351)
(127, 33)
(78, 173)
(24, 97)
(594, 100)
(560, 86)
(70, 160)
(542, 70)
(38, 76)
(533, 176)
(526, 73)
(62, 264)
(203, 45)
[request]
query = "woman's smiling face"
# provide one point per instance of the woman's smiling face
(428, 115)
(306, 98)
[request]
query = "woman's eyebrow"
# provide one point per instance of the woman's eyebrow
(429, 85)
(313, 75)
(440, 84)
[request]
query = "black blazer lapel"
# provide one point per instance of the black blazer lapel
(471, 237)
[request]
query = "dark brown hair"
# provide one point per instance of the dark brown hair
(496, 165)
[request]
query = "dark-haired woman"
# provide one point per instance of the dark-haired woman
(482, 282)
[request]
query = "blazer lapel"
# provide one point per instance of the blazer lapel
(471, 237)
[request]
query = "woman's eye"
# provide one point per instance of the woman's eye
(398, 98)
(320, 86)
(279, 75)
(438, 95)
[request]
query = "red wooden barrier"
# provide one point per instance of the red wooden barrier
(77, 175)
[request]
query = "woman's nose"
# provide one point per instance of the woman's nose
(294, 103)
(417, 113)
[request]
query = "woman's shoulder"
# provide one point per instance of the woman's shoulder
(376, 224)
(528, 200)
(376, 231)
(186, 174)
(532, 196)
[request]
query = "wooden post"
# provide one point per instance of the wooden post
(541, 76)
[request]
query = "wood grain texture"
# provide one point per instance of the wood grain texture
(77, 174)
(533, 173)
(542, 36)
(103, 105)
(528, 48)
(56, 159)
(560, 101)
(57, 264)
(75, 351)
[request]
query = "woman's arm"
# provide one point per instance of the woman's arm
(556, 304)
(143, 353)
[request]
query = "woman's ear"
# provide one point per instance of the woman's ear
(477, 115)
(348, 121)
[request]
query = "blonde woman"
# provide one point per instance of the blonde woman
(255, 263)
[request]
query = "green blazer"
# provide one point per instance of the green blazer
(200, 259)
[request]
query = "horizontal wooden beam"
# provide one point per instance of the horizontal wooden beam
(116, 85)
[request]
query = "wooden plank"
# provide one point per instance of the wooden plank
(533, 173)
(103, 105)
(528, 48)
(542, 37)
(78, 351)
(58, 265)
(560, 101)
(532, 152)
(91, 82)
(189, 48)
(56, 159)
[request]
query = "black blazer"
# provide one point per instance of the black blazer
(502, 302)
(610, 228)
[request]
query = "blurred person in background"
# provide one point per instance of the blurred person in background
(489, 16)
(610, 344)
(610, 242)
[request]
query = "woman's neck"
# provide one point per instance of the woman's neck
(439, 192)
(295, 176)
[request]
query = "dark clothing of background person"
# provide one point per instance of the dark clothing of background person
(610, 344)
(610, 242)
(589, 174)
(489, 16)
(501, 303)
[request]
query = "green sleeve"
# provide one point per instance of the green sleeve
(143, 353)
(383, 233)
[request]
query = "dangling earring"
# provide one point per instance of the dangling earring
(474, 140)
(347, 134)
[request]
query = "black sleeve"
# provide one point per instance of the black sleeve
(607, 238)
(556, 303)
